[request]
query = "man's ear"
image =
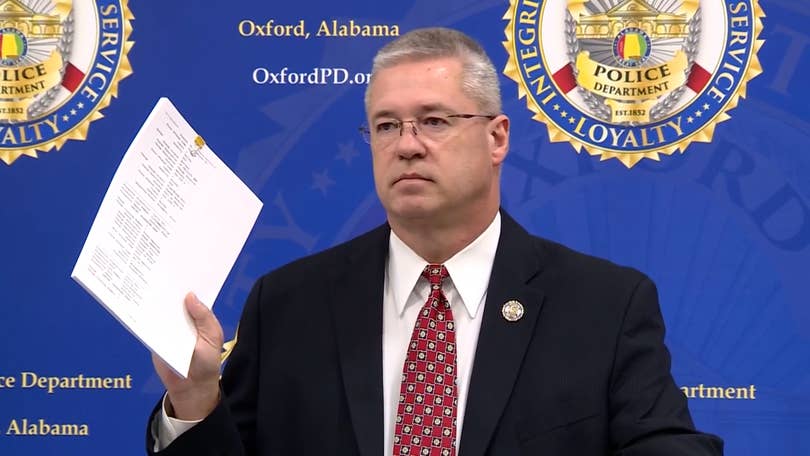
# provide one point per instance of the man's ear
(499, 138)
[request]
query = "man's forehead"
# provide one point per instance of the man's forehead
(418, 86)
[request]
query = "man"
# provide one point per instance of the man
(449, 330)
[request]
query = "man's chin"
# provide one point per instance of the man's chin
(407, 211)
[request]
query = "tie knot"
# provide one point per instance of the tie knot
(435, 273)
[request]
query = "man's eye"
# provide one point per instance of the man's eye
(434, 122)
(386, 127)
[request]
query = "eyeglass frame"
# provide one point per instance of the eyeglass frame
(365, 130)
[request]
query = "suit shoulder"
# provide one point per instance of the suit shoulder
(586, 285)
(585, 269)
(327, 263)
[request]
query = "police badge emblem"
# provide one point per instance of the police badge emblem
(632, 79)
(60, 64)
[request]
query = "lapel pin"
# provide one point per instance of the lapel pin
(512, 310)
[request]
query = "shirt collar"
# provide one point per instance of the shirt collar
(469, 269)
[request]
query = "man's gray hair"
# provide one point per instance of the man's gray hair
(479, 77)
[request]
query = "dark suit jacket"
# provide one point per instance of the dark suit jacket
(584, 372)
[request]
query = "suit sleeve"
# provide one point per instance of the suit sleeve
(649, 414)
(229, 430)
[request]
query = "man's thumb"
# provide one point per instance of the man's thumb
(203, 317)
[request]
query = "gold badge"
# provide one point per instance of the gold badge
(632, 79)
(60, 62)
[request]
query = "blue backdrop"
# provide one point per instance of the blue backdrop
(730, 251)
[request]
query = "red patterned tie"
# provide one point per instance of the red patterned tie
(428, 397)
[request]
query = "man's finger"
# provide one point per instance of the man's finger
(204, 319)
(196, 309)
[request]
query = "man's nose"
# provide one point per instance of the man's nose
(409, 145)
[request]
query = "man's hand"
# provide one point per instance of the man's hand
(195, 397)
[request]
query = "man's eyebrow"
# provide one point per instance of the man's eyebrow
(424, 109)
(435, 107)
(385, 114)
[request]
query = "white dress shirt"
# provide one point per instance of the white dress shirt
(405, 292)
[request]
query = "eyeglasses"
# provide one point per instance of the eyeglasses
(433, 127)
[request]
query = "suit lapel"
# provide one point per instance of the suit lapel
(357, 310)
(501, 344)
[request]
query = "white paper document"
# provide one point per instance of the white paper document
(174, 220)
